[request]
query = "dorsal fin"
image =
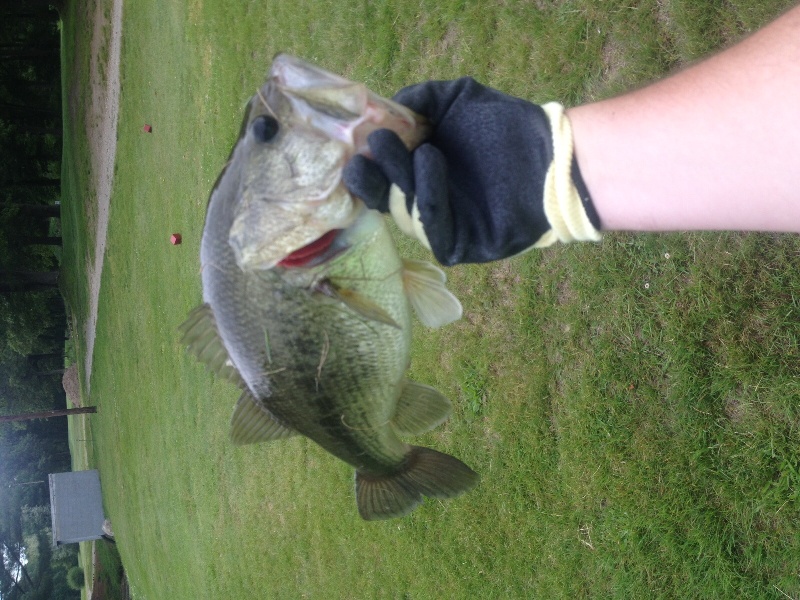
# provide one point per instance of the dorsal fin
(200, 334)
(252, 422)
(434, 304)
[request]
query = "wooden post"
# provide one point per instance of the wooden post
(48, 413)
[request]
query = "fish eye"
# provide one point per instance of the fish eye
(264, 128)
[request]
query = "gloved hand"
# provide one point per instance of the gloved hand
(496, 177)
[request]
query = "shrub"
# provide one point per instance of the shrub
(75, 578)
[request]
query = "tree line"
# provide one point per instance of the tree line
(32, 313)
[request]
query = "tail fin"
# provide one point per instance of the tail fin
(426, 473)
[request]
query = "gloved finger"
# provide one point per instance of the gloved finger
(419, 97)
(366, 180)
(391, 154)
(433, 99)
(430, 99)
(433, 204)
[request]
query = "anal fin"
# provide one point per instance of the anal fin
(252, 422)
(420, 408)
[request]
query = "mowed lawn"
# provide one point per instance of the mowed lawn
(632, 406)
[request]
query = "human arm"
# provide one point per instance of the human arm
(714, 147)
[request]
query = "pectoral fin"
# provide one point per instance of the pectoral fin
(419, 409)
(200, 334)
(358, 303)
(252, 422)
(434, 304)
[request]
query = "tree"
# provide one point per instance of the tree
(32, 316)
(14, 281)
(33, 210)
(12, 556)
(46, 240)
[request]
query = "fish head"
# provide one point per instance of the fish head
(299, 131)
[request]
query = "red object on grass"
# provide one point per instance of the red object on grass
(176, 239)
(147, 128)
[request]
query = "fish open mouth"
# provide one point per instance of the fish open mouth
(314, 253)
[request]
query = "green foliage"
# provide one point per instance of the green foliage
(64, 559)
(474, 383)
(75, 578)
(30, 150)
(65, 556)
(631, 405)
(35, 519)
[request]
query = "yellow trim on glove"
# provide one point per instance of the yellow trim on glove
(410, 224)
(562, 203)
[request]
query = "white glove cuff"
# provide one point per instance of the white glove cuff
(562, 202)
(410, 224)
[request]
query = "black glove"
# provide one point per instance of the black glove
(496, 177)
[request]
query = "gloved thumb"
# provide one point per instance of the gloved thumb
(365, 180)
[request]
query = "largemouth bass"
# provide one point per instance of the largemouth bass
(306, 300)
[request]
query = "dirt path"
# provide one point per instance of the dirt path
(102, 134)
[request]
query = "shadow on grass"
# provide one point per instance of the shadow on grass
(110, 582)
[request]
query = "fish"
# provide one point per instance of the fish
(307, 303)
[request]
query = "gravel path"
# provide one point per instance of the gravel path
(102, 134)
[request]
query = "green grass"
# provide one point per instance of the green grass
(78, 214)
(632, 406)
